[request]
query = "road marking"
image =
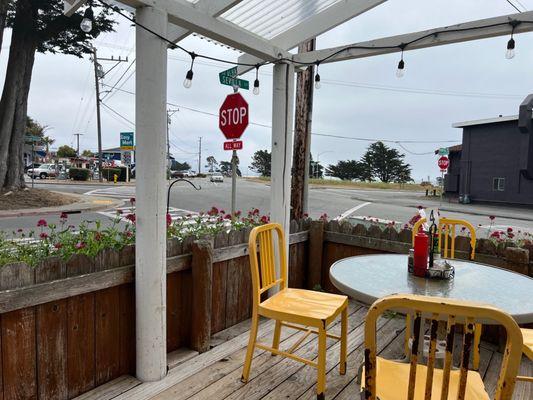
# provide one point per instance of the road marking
(352, 210)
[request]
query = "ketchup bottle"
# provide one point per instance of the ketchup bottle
(420, 259)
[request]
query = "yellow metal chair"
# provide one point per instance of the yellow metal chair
(448, 227)
(527, 335)
(294, 308)
(390, 380)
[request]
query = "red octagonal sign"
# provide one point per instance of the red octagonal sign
(233, 116)
(443, 163)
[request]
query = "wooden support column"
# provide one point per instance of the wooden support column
(316, 246)
(202, 294)
(282, 138)
(150, 257)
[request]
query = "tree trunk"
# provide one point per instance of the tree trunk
(3, 14)
(302, 136)
(14, 101)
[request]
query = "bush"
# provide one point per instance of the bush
(79, 174)
(108, 173)
(200, 175)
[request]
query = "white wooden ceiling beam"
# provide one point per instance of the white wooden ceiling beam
(316, 25)
(447, 35)
(213, 8)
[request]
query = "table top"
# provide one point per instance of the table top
(367, 278)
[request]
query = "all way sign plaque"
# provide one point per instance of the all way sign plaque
(233, 145)
(229, 78)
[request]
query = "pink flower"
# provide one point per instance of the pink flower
(63, 216)
(42, 222)
(227, 216)
(131, 218)
(213, 211)
(491, 217)
(43, 235)
(495, 235)
(265, 219)
(80, 245)
(238, 213)
(169, 220)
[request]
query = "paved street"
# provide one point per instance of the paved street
(397, 206)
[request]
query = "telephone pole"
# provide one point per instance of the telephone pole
(78, 142)
(100, 74)
(199, 155)
(170, 113)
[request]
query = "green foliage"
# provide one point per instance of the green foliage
(87, 153)
(79, 174)
(178, 166)
(346, 170)
(66, 152)
(108, 173)
(225, 168)
(261, 162)
(56, 33)
(386, 164)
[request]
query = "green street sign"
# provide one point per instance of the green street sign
(126, 141)
(229, 78)
(444, 151)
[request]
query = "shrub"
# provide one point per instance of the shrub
(79, 174)
(109, 172)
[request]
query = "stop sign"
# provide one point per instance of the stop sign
(233, 116)
(443, 163)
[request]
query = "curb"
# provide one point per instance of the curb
(86, 203)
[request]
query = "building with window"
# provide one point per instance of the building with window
(491, 163)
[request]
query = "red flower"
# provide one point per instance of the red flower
(222, 212)
(227, 216)
(491, 217)
(19, 230)
(510, 235)
(63, 216)
(131, 217)
(128, 234)
(169, 220)
(265, 219)
(58, 245)
(255, 211)
(509, 230)
(213, 211)
(43, 235)
(420, 207)
(80, 245)
(42, 222)
(306, 215)
(238, 213)
(132, 200)
(495, 235)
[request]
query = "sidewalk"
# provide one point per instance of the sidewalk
(85, 203)
(70, 182)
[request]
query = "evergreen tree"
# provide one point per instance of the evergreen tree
(262, 162)
(385, 164)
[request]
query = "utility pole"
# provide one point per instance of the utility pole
(78, 143)
(199, 155)
(170, 113)
(99, 74)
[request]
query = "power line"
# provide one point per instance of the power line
(515, 7)
(118, 114)
(119, 79)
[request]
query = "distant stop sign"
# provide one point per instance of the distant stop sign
(233, 116)
(443, 163)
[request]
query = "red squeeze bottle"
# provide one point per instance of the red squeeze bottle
(420, 259)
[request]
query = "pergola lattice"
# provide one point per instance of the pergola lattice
(265, 31)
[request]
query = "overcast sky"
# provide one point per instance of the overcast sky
(358, 98)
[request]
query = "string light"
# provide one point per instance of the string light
(400, 72)
(187, 83)
(256, 82)
(86, 24)
(318, 85)
(510, 53)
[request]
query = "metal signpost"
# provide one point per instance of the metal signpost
(229, 78)
(443, 164)
(232, 121)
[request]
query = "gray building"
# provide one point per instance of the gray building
(492, 163)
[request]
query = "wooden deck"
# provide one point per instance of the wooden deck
(216, 374)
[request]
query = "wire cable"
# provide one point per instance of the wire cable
(515, 7)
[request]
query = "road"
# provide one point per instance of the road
(398, 206)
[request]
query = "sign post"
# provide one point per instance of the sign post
(232, 121)
(443, 163)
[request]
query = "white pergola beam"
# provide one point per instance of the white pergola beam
(448, 35)
(213, 8)
(315, 25)
(188, 16)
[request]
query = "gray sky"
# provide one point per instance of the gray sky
(358, 98)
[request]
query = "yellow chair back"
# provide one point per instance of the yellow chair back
(448, 227)
(455, 312)
(263, 267)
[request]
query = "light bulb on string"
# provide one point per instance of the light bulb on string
(86, 24)
(187, 83)
(510, 53)
(318, 84)
(256, 82)
(400, 71)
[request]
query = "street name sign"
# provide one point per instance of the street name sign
(443, 163)
(126, 141)
(444, 151)
(233, 145)
(233, 116)
(229, 78)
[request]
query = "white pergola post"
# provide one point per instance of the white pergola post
(150, 257)
(282, 142)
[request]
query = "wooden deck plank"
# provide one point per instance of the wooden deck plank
(523, 390)
(110, 389)
(224, 376)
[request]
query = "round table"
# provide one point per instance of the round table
(368, 278)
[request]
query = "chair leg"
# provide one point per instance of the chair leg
(250, 350)
(277, 335)
(344, 340)
(321, 369)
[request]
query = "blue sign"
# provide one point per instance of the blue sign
(127, 141)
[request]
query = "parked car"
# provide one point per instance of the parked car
(30, 166)
(43, 171)
(217, 177)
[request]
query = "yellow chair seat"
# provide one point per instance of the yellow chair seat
(393, 380)
(306, 307)
(527, 334)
